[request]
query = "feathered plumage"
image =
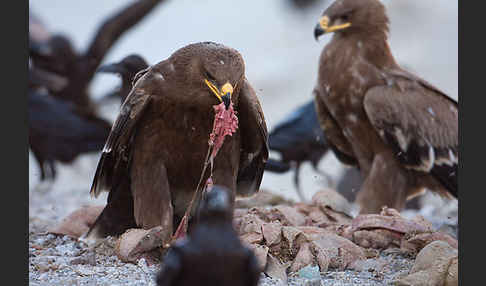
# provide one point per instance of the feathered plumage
(399, 129)
(154, 155)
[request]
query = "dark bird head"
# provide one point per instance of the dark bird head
(126, 68)
(56, 55)
(39, 49)
(366, 17)
(215, 67)
(216, 203)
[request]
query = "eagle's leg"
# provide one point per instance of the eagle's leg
(152, 203)
(116, 217)
(386, 184)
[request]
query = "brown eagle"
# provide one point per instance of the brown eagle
(154, 155)
(400, 130)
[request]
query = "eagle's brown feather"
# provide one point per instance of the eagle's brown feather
(402, 131)
(114, 158)
(420, 124)
(339, 144)
(254, 153)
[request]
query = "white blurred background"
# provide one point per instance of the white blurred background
(280, 53)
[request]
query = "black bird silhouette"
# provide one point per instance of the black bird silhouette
(56, 131)
(304, 5)
(127, 68)
(299, 138)
(212, 254)
(80, 68)
(67, 111)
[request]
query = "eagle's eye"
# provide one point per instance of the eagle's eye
(209, 76)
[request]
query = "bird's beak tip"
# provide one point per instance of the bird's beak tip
(111, 68)
(226, 100)
(318, 31)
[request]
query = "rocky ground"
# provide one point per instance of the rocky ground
(62, 260)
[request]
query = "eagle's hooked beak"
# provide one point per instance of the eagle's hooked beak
(323, 27)
(224, 95)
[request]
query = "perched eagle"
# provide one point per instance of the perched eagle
(155, 153)
(400, 130)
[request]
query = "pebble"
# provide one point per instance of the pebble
(310, 272)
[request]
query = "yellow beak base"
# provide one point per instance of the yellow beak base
(324, 23)
(225, 89)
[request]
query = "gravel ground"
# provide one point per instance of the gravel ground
(61, 260)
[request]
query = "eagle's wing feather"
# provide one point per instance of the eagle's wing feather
(420, 124)
(333, 133)
(254, 141)
(116, 154)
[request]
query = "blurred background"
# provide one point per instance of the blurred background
(276, 40)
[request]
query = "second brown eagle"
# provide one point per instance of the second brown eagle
(399, 129)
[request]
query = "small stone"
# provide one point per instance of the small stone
(452, 275)
(287, 215)
(134, 243)
(371, 265)
(432, 266)
(313, 282)
(377, 239)
(43, 267)
(339, 250)
(143, 264)
(275, 269)
(78, 222)
(86, 272)
(272, 232)
(43, 276)
(304, 257)
(89, 259)
(310, 272)
(329, 198)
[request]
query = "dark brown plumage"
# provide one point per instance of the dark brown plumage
(213, 253)
(154, 156)
(399, 129)
(127, 68)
